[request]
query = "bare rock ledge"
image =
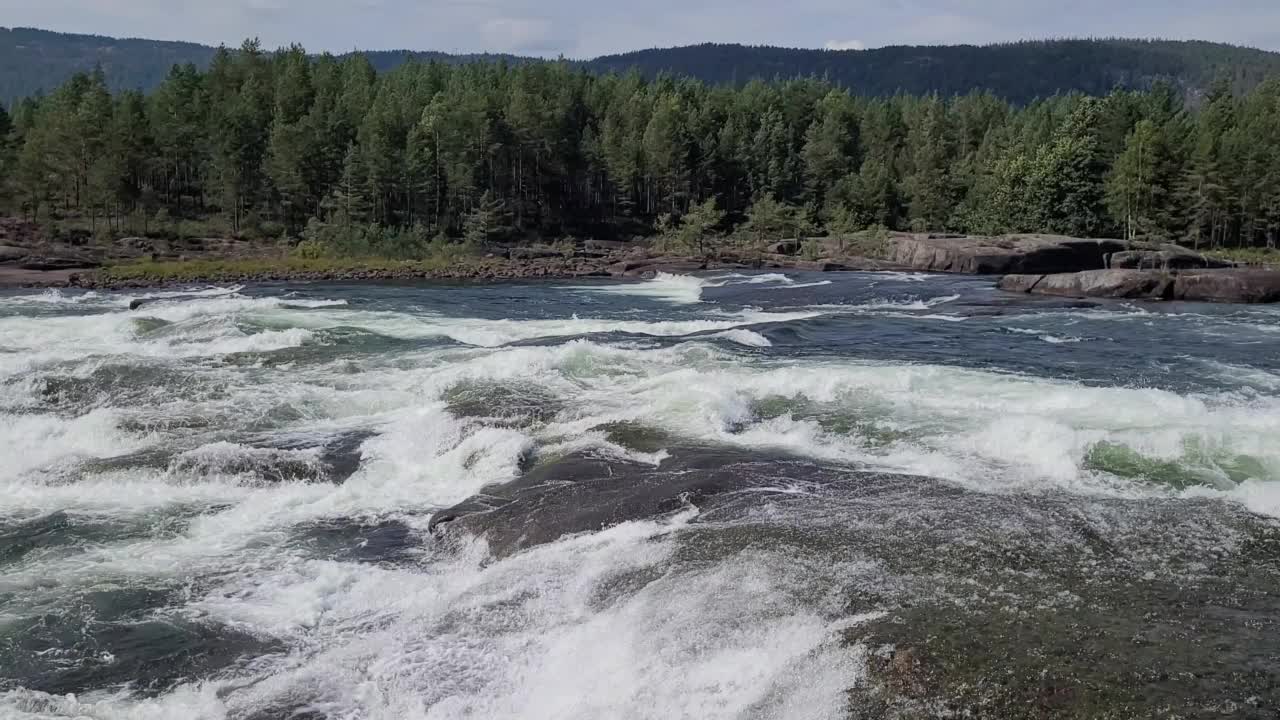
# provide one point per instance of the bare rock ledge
(1222, 285)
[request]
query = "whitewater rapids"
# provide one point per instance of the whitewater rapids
(220, 505)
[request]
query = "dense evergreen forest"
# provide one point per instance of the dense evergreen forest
(354, 161)
(34, 61)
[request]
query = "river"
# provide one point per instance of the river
(724, 496)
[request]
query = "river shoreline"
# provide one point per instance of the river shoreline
(1036, 264)
(127, 277)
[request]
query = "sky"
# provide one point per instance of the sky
(587, 28)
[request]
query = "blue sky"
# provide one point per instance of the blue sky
(585, 28)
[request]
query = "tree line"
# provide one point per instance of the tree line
(333, 152)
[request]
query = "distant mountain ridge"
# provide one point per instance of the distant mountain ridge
(1019, 71)
(34, 60)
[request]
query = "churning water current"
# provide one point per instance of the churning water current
(723, 496)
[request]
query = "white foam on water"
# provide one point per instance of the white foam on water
(548, 634)
(481, 332)
(745, 337)
(987, 430)
(913, 308)
(427, 458)
(597, 444)
(797, 286)
(1259, 496)
(226, 459)
(768, 281)
(36, 441)
(927, 316)
(665, 287)
(906, 276)
(908, 304)
(120, 494)
(1051, 339)
(687, 289)
(757, 279)
(54, 296)
(199, 703)
(191, 328)
(1244, 375)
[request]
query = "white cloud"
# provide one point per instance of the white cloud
(845, 45)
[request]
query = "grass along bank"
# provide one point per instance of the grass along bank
(147, 273)
(1260, 256)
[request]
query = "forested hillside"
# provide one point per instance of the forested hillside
(34, 61)
(38, 60)
(1019, 72)
(354, 161)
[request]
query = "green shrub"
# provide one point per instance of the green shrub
(272, 230)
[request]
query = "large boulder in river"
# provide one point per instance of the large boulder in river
(45, 263)
(784, 247)
(1002, 255)
(1093, 283)
(1164, 257)
(1215, 285)
(1232, 286)
(649, 267)
(9, 253)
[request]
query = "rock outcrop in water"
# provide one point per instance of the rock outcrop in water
(582, 494)
(1218, 285)
(1040, 254)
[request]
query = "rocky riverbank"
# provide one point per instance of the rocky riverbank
(1033, 263)
(1224, 285)
(478, 269)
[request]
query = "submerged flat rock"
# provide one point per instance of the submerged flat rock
(1225, 285)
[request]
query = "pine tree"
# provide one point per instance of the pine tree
(773, 161)
(768, 219)
(34, 174)
(697, 226)
(828, 147)
(6, 153)
(931, 195)
(1204, 184)
(424, 169)
(665, 154)
(1068, 177)
(134, 146)
(486, 221)
(348, 203)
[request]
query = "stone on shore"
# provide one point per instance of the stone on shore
(1233, 285)
(9, 253)
(648, 267)
(1230, 286)
(1007, 254)
(1164, 257)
